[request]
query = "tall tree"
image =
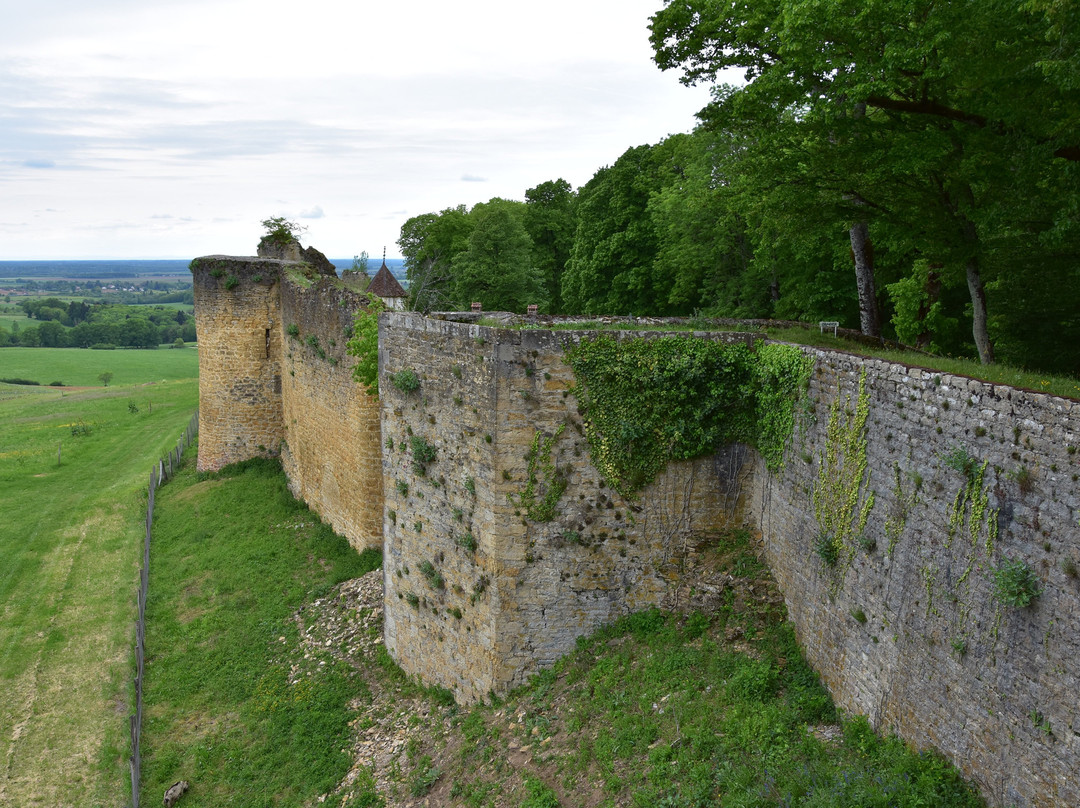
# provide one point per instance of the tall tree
(496, 268)
(611, 263)
(963, 74)
(550, 219)
(428, 244)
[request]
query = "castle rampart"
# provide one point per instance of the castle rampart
(274, 380)
(903, 496)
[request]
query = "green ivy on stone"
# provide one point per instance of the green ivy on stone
(647, 402)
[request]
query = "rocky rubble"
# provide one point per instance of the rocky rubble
(347, 625)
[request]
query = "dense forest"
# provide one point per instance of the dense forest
(908, 167)
(86, 324)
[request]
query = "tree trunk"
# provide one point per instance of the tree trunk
(978, 296)
(863, 254)
(978, 307)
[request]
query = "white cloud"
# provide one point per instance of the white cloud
(225, 113)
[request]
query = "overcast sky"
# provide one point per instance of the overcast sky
(171, 128)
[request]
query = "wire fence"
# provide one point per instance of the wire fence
(160, 474)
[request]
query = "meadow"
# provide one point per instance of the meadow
(73, 470)
(81, 367)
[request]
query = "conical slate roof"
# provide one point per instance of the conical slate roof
(385, 284)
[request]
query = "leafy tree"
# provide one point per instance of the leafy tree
(611, 262)
(428, 244)
(550, 220)
(364, 344)
(105, 377)
(496, 268)
(52, 335)
(920, 103)
(281, 231)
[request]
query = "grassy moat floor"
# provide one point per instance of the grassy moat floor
(268, 684)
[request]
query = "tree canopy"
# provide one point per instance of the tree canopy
(910, 167)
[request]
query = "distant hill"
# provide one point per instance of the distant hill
(103, 268)
(395, 265)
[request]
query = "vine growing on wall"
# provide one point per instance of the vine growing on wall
(842, 497)
(544, 483)
(647, 402)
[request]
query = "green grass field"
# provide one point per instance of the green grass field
(80, 367)
(10, 319)
(73, 469)
(234, 555)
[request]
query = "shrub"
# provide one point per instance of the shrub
(293, 330)
(827, 551)
(1016, 584)
(959, 459)
(406, 381)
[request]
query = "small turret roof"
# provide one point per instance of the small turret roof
(384, 284)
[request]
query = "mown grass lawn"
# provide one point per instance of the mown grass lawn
(73, 470)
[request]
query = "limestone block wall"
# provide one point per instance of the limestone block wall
(274, 380)
(237, 304)
(332, 451)
(479, 595)
(904, 628)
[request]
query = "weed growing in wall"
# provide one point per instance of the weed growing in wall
(648, 402)
(1016, 584)
(422, 454)
(434, 577)
(842, 497)
(406, 381)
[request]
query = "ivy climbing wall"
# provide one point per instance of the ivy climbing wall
(503, 542)
(924, 532)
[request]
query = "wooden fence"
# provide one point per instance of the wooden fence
(160, 474)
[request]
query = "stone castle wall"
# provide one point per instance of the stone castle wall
(505, 594)
(902, 623)
(274, 380)
(332, 452)
(238, 321)
(905, 628)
